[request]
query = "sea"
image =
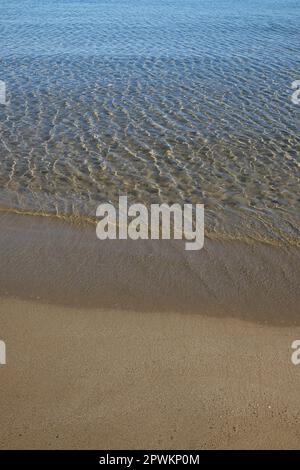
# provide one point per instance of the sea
(164, 101)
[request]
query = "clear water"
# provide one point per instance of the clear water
(162, 100)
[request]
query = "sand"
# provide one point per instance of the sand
(140, 346)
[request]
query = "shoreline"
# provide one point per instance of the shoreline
(145, 345)
(83, 221)
(56, 263)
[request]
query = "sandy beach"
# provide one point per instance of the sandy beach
(150, 119)
(140, 346)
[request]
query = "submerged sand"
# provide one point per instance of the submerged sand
(142, 345)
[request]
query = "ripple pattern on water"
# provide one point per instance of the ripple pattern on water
(165, 101)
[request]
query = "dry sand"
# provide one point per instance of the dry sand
(113, 345)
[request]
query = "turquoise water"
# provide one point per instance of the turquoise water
(162, 100)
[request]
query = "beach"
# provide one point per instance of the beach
(98, 359)
(152, 109)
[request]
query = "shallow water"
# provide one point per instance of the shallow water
(162, 100)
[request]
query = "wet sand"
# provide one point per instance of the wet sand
(143, 345)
